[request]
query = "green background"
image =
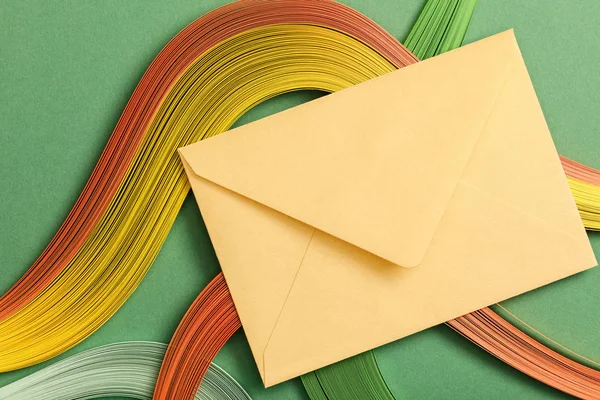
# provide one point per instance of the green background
(66, 71)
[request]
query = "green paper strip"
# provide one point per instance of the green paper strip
(126, 369)
(358, 377)
(441, 26)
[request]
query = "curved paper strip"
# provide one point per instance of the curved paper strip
(358, 377)
(441, 26)
(113, 260)
(99, 197)
(206, 326)
(498, 337)
(585, 185)
(575, 170)
(131, 268)
(126, 369)
(540, 337)
(588, 202)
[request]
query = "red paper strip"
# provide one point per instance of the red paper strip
(573, 169)
(206, 326)
(498, 337)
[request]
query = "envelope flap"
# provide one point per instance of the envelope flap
(375, 164)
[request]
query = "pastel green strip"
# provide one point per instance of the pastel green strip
(441, 26)
(126, 369)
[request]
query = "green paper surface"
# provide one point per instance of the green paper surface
(68, 68)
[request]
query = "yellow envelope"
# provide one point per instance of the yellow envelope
(387, 208)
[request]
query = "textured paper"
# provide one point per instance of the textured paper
(307, 297)
(122, 369)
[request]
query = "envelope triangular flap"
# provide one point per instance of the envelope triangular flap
(259, 251)
(375, 164)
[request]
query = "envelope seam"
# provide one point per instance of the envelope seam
(483, 129)
(541, 221)
(465, 182)
(285, 301)
(485, 124)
